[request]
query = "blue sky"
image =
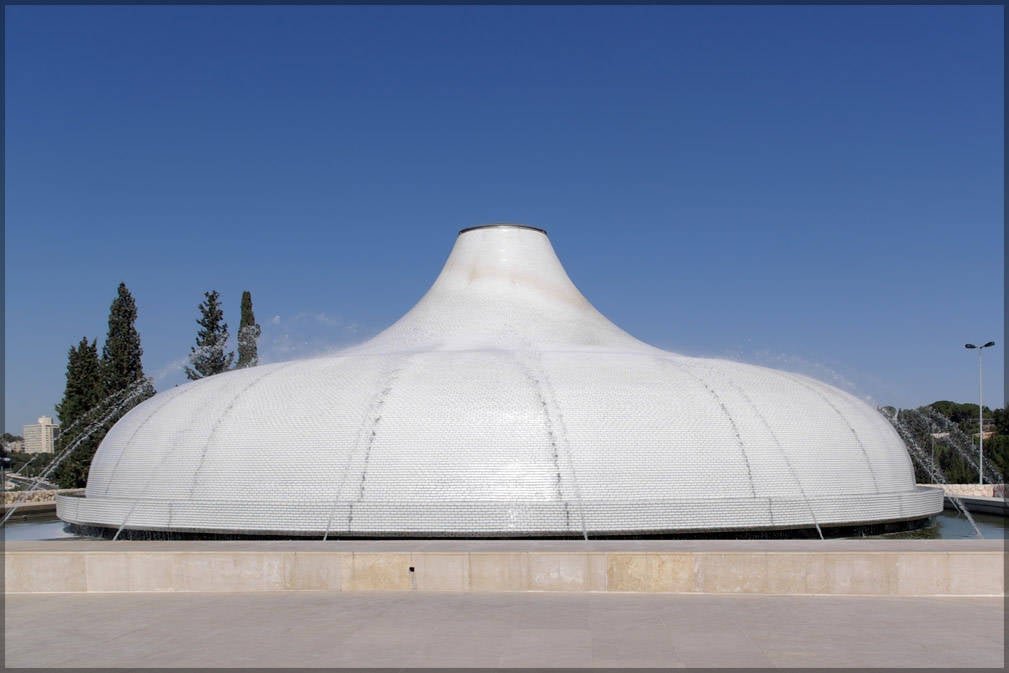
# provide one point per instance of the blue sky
(818, 189)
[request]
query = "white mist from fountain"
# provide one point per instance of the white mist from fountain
(924, 458)
(118, 402)
(957, 440)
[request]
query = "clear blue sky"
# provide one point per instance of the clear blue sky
(818, 189)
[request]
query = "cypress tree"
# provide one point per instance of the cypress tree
(84, 383)
(95, 388)
(248, 332)
(81, 397)
(121, 354)
(208, 356)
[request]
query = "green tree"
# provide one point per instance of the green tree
(84, 385)
(1000, 417)
(961, 414)
(208, 357)
(996, 452)
(121, 364)
(248, 333)
(123, 386)
(28, 464)
(81, 397)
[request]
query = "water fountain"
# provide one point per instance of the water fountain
(903, 420)
(957, 440)
(109, 409)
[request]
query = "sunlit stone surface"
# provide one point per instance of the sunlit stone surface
(502, 404)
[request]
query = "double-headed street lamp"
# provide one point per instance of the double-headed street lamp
(980, 412)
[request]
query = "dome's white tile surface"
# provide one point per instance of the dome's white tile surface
(503, 403)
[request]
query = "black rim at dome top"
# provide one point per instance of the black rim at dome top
(504, 225)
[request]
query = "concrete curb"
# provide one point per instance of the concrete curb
(857, 572)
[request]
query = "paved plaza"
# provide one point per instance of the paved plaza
(373, 629)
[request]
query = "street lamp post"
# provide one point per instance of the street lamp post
(980, 412)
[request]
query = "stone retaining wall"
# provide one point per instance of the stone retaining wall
(972, 490)
(39, 496)
(898, 573)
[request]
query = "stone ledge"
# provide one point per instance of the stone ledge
(872, 573)
(969, 490)
(38, 496)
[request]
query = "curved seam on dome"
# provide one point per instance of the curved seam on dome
(220, 419)
(548, 387)
(171, 451)
(155, 472)
(563, 434)
(844, 419)
(129, 442)
(777, 442)
(732, 422)
(551, 441)
(368, 440)
(541, 385)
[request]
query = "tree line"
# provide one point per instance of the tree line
(101, 389)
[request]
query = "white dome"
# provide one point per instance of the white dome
(503, 403)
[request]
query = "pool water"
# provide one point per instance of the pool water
(951, 525)
(948, 525)
(49, 529)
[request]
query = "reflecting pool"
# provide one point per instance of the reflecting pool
(948, 525)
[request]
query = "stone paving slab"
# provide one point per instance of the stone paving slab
(329, 629)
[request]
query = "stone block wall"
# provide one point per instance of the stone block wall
(39, 496)
(874, 569)
(972, 490)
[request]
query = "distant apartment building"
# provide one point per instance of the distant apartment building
(14, 446)
(41, 437)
